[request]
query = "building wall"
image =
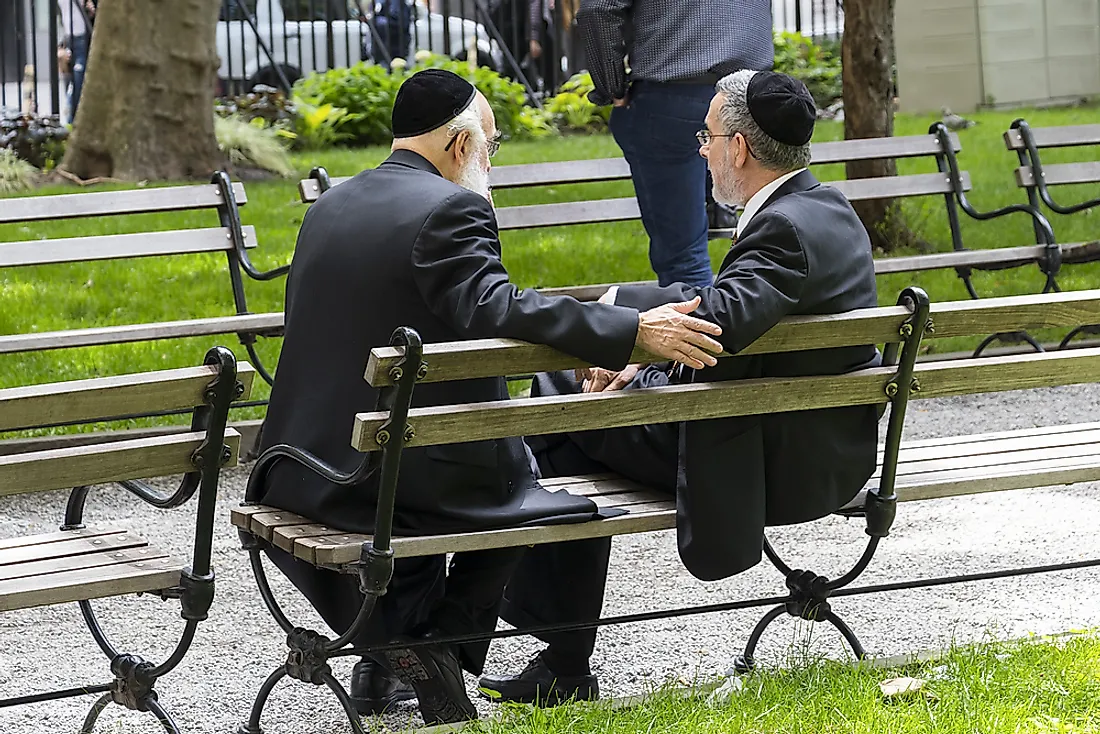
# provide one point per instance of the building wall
(966, 53)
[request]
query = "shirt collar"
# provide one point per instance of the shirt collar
(761, 197)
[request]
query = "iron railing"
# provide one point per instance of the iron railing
(274, 42)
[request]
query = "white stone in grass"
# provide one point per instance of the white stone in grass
(731, 686)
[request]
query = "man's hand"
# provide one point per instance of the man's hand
(620, 102)
(535, 49)
(597, 379)
(667, 331)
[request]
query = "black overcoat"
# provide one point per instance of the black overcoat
(400, 245)
(804, 252)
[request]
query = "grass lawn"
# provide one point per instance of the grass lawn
(1004, 688)
(138, 291)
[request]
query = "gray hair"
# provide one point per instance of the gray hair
(469, 120)
(735, 117)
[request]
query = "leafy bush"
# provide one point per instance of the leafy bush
(15, 173)
(252, 144)
(38, 140)
(367, 92)
(319, 125)
(818, 66)
(570, 110)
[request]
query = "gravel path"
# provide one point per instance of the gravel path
(239, 645)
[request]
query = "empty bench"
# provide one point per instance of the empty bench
(1036, 177)
(908, 471)
(81, 562)
(221, 198)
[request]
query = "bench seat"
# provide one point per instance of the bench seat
(927, 469)
(76, 565)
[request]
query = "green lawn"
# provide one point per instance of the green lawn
(1015, 688)
(82, 295)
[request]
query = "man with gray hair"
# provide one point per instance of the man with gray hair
(414, 243)
(800, 249)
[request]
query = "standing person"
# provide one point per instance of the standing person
(540, 43)
(77, 17)
(800, 250)
(676, 52)
(414, 243)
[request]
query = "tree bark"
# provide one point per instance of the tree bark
(147, 109)
(867, 57)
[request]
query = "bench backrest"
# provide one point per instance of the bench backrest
(615, 169)
(534, 416)
(1045, 138)
(104, 399)
(119, 246)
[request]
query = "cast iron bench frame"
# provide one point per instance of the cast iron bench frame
(1035, 177)
(1074, 454)
(80, 563)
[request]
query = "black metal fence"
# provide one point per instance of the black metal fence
(43, 43)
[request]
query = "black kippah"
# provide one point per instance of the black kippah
(782, 107)
(429, 99)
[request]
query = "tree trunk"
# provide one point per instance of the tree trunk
(867, 57)
(147, 109)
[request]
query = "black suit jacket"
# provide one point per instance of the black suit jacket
(402, 246)
(804, 252)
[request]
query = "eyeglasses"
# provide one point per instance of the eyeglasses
(704, 137)
(492, 145)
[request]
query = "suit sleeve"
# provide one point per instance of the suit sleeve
(459, 273)
(761, 283)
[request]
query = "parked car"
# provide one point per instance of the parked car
(295, 39)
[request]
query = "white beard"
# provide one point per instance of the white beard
(476, 179)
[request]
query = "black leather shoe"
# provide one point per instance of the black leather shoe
(436, 675)
(539, 685)
(375, 689)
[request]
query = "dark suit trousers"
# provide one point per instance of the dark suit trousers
(423, 594)
(564, 582)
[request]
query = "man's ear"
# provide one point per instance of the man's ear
(741, 157)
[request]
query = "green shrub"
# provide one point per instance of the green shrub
(570, 109)
(321, 125)
(367, 93)
(15, 173)
(252, 144)
(818, 66)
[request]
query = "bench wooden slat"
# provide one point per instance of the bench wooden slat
(864, 149)
(68, 339)
(996, 258)
(264, 523)
(90, 583)
(75, 546)
(1008, 443)
(654, 511)
(1055, 137)
(1058, 174)
(503, 357)
(892, 187)
(556, 173)
(286, 536)
(74, 563)
(57, 537)
(101, 203)
(102, 397)
(566, 214)
(1001, 457)
(119, 246)
(556, 414)
(140, 458)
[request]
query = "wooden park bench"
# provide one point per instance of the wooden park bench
(82, 562)
(221, 197)
(909, 471)
(1036, 177)
(951, 183)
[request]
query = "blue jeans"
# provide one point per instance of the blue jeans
(656, 132)
(79, 46)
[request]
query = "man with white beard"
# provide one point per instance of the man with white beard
(414, 243)
(800, 249)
